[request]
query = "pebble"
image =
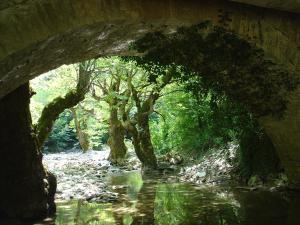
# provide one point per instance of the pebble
(213, 168)
(83, 175)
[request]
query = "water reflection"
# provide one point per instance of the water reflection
(152, 201)
(182, 204)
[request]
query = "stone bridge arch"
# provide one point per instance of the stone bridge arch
(39, 35)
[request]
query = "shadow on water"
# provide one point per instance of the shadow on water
(145, 200)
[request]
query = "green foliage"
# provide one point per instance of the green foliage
(232, 83)
(51, 86)
(179, 129)
(218, 60)
(62, 136)
(195, 124)
(93, 117)
(192, 116)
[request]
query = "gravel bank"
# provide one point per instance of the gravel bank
(84, 175)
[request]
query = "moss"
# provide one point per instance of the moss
(52, 111)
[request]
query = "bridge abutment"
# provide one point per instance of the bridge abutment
(285, 135)
(27, 190)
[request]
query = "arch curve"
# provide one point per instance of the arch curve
(39, 35)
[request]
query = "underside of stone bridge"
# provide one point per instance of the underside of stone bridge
(40, 35)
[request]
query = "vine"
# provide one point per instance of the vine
(214, 58)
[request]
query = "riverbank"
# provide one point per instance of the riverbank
(84, 175)
(220, 167)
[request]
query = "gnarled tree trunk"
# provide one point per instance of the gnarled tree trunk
(116, 143)
(27, 189)
(147, 155)
(141, 139)
(116, 139)
(132, 130)
(52, 111)
(140, 130)
(81, 135)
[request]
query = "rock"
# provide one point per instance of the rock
(104, 197)
(80, 175)
(200, 174)
(211, 169)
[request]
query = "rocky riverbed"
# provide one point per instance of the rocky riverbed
(84, 175)
(218, 168)
(213, 168)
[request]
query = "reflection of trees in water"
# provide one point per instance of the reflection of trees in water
(77, 215)
(151, 203)
(137, 200)
(177, 204)
(124, 210)
(145, 205)
(182, 204)
(169, 205)
(82, 213)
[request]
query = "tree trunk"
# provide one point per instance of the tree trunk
(142, 144)
(147, 150)
(116, 143)
(27, 190)
(82, 136)
(140, 130)
(132, 130)
(52, 111)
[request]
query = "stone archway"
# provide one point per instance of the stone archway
(39, 35)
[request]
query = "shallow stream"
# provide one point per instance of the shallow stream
(161, 200)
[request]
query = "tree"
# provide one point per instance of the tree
(131, 97)
(81, 134)
(52, 110)
(217, 59)
(109, 87)
(142, 94)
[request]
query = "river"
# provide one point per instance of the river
(150, 199)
